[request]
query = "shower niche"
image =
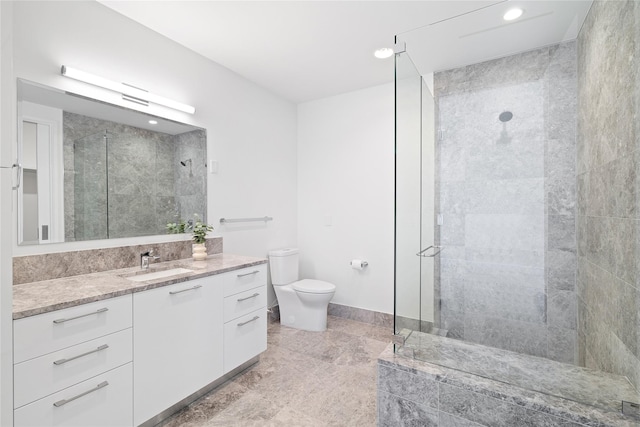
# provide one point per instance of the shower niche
(118, 173)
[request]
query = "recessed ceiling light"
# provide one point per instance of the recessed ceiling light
(153, 122)
(512, 14)
(383, 53)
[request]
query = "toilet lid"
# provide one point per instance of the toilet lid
(313, 286)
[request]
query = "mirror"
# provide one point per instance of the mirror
(92, 170)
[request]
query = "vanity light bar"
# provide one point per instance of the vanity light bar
(128, 92)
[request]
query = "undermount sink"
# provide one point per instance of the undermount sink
(159, 274)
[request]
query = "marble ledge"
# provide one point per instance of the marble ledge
(30, 299)
(515, 394)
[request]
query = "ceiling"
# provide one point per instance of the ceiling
(306, 50)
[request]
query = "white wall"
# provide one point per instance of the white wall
(345, 177)
(7, 123)
(250, 132)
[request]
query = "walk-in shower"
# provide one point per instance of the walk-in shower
(517, 248)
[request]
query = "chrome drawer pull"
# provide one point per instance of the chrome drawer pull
(63, 361)
(249, 321)
(59, 403)
(102, 310)
(249, 297)
(249, 274)
(185, 290)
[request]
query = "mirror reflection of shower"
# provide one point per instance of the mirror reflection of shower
(504, 117)
(188, 162)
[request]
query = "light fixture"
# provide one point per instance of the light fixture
(512, 14)
(153, 122)
(383, 53)
(129, 93)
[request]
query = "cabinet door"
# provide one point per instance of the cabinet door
(244, 338)
(177, 343)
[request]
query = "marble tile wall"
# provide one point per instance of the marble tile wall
(132, 182)
(34, 268)
(190, 180)
(608, 188)
(507, 194)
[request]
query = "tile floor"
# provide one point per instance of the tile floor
(303, 379)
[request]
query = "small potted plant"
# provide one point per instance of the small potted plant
(198, 230)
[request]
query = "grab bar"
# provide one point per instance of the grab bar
(437, 248)
(264, 218)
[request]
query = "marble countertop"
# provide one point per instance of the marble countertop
(30, 299)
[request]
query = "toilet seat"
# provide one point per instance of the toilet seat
(311, 286)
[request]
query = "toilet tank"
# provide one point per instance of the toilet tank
(284, 266)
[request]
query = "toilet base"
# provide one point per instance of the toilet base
(308, 313)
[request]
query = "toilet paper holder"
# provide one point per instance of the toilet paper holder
(355, 263)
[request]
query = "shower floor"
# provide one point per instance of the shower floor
(558, 381)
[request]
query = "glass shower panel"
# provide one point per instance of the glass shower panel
(429, 262)
(408, 110)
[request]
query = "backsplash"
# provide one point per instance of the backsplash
(33, 268)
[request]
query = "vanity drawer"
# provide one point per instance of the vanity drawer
(245, 279)
(44, 375)
(105, 400)
(244, 338)
(245, 302)
(48, 332)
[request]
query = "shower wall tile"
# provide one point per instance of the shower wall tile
(453, 294)
(510, 303)
(561, 270)
(562, 309)
(514, 232)
(512, 196)
(452, 197)
(582, 193)
(506, 276)
(519, 336)
(513, 186)
(452, 230)
(518, 257)
(622, 177)
(561, 233)
(142, 169)
(560, 172)
(562, 345)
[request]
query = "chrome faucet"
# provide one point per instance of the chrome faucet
(144, 259)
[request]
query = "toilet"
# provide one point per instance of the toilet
(303, 303)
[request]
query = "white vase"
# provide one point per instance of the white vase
(199, 251)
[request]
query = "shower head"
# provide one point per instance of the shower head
(186, 162)
(505, 116)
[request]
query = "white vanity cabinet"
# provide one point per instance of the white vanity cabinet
(72, 367)
(177, 343)
(245, 315)
(125, 361)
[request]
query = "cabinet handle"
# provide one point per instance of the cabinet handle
(63, 361)
(249, 274)
(249, 321)
(102, 310)
(185, 290)
(59, 403)
(249, 297)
